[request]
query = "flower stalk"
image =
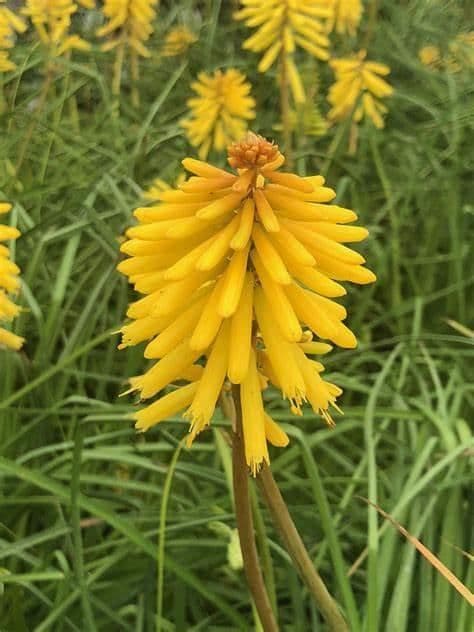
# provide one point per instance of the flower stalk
(118, 66)
(285, 109)
(245, 527)
(297, 551)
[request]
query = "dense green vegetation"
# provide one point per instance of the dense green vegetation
(84, 499)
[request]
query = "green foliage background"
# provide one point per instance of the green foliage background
(81, 493)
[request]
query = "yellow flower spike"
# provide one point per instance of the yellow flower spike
(460, 55)
(10, 25)
(232, 283)
(358, 89)
(223, 105)
(177, 41)
(9, 282)
(286, 22)
(282, 26)
(52, 21)
(128, 26)
(129, 21)
(346, 16)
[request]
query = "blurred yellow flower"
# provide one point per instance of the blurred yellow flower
(220, 112)
(10, 24)
(461, 52)
(177, 41)
(52, 21)
(9, 282)
(358, 89)
(238, 270)
(430, 56)
(129, 24)
(283, 25)
(346, 16)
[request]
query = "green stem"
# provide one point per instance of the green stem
(264, 550)
(285, 109)
(298, 553)
(118, 65)
(371, 22)
(245, 527)
(134, 73)
(162, 536)
(3, 101)
(76, 530)
(39, 109)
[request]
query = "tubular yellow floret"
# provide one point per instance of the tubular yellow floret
(253, 418)
(241, 333)
(210, 384)
(165, 407)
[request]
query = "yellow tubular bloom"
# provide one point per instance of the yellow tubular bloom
(358, 89)
(220, 112)
(177, 41)
(10, 24)
(9, 282)
(460, 54)
(430, 56)
(282, 26)
(346, 16)
(239, 269)
(129, 23)
(52, 21)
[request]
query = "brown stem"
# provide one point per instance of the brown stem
(285, 109)
(298, 552)
(243, 513)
